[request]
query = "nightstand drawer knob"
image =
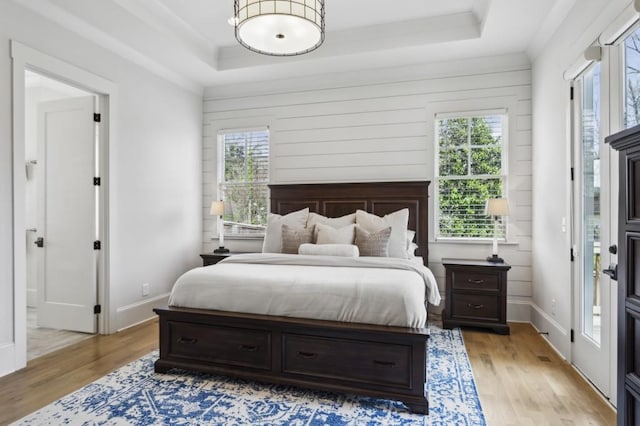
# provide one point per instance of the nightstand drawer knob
(188, 340)
(387, 364)
(248, 348)
(475, 306)
(475, 281)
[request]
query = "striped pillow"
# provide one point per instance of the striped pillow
(373, 243)
(293, 237)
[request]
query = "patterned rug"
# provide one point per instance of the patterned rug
(135, 395)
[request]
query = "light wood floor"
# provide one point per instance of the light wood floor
(521, 380)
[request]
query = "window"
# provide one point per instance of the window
(243, 176)
(470, 170)
(632, 79)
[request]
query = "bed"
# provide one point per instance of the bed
(365, 359)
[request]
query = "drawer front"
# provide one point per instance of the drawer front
(474, 306)
(364, 362)
(224, 345)
(463, 280)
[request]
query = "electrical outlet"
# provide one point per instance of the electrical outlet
(145, 289)
(553, 307)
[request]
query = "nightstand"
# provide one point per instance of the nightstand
(476, 294)
(213, 258)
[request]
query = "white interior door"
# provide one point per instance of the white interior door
(592, 237)
(67, 279)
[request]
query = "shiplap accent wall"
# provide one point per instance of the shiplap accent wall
(379, 125)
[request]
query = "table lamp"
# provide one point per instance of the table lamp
(496, 207)
(217, 209)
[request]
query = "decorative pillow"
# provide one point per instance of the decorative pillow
(292, 238)
(273, 234)
(397, 221)
(373, 243)
(346, 250)
(326, 234)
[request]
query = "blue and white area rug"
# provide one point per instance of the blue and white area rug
(135, 395)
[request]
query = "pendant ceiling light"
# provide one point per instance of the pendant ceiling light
(279, 27)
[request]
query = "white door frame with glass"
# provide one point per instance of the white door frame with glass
(591, 236)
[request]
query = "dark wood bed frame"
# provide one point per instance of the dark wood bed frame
(373, 360)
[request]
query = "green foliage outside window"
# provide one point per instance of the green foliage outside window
(244, 182)
(470, 172)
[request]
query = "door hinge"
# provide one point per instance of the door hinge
(573, 257)
(97, 245)
(96, 117)
(571, 93)
(96, 181)
(97, 309)
(572, 335)
(572, 175)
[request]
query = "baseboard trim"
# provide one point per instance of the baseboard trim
(518, 310)
(7, 358)
(555, 334)
(32, 298)
(136, 313)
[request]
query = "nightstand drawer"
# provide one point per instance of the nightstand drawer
(464, 280)
(474, 306)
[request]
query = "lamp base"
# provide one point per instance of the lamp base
(494, 258)
(221, 250)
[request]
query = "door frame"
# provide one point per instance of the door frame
(608, 109)
(26, 58)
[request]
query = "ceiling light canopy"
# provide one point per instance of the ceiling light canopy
(279, 27)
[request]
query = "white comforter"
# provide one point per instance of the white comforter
(371, 290)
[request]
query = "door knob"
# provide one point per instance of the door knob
(39, 242)
(613, 249)
(611, 271)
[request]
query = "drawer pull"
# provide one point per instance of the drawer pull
(384, 363)
(475, 281)
(188, 340)
(474, 306)
(248, 348)
(307, 355)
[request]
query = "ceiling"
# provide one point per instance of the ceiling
(191, 43)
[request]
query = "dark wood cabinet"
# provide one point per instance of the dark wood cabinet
(476, 294)
(627, 143)
(213, 258)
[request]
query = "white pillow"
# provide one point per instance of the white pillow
(273, 234)
(336, 222)
(397, 221)
(346, 250)
(326, 234)
(411, 246)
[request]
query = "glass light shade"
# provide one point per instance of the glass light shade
(497, 207)
(217, 208)
(280, 27)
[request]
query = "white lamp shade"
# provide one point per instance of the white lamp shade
(217, 208)
(497, 207)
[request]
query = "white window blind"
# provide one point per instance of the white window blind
(470, 170)
(243, 176)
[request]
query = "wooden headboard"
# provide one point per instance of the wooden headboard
(379, 198)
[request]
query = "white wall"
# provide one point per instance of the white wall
(155, 176)
(379, 125)
(551, 162)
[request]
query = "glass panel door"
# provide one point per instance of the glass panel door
(590, 227)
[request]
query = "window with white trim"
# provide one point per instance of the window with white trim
(632, 79)
(243, 178)
(471, 168)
